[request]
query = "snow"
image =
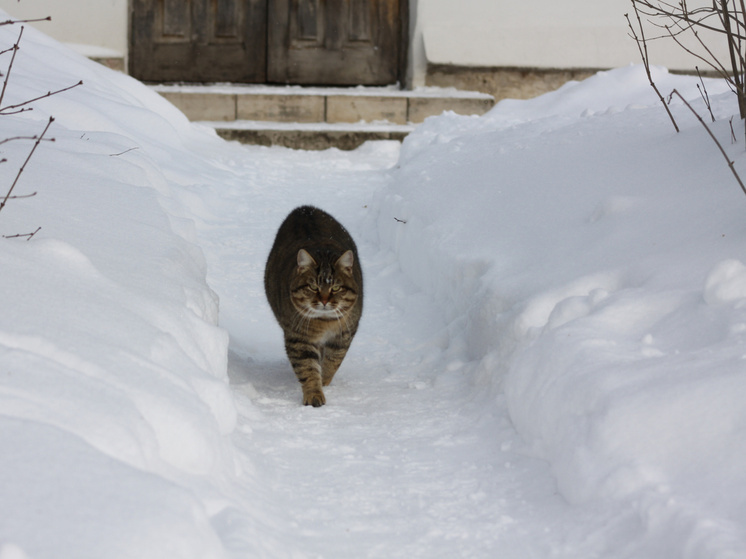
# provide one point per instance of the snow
(94, 51)
(361, 126)
(357, 91)
(550, 363)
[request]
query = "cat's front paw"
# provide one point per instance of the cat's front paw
(314, 398)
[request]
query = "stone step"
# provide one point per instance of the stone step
(313, 104)
(310, 136)
(108, 57)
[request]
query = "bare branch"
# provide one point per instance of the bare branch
(17, 111)
(712, 62)
(10, 66)
(21, 196)
(14, 21)
(643, 48)
(725, 17)
(733, 139)
(28, 235)
(736, 77)
(24, 138)
(680, 13)
(19, 108)
(8, 110)
(704, 94)
(20, 171)
(123, 152)
(714, 139)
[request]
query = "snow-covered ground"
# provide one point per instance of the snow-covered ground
(551, 361)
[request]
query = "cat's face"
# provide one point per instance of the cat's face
(324, 289)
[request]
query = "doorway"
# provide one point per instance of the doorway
(304, 42)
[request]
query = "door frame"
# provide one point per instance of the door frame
(402, 71)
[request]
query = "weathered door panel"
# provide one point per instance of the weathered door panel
(334, 42)
(198, 40)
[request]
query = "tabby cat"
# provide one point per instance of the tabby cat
(314, 285)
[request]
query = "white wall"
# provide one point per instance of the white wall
(99, 25)
(536, 34)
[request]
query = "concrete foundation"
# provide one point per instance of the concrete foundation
(503, 83)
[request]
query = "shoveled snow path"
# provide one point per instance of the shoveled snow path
(407, 459)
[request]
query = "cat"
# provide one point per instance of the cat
(314, 284)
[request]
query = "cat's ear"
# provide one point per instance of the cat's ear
(305, 260)
(345, 261)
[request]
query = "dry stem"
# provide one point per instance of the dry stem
(10, 66)
(28, 235)
(714, 139)
(7, 110)
(643, 48)
(20, 171)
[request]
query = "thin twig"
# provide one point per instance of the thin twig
(732, 52)
(714, 139)
(20, 196)
(25, 138)
(20, 171)
(10, 66)
(704, 94)
(714, 63)
(14, 21)
(733, 139)
(643, 48)
(675, 13)
(29, 235)
(123, 152)
(47, 94)
(725, 17)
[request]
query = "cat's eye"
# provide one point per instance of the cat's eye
(313, 287)
(336, 288)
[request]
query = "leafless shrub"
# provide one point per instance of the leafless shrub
(699, 31)
(19, 108)
(702, 31)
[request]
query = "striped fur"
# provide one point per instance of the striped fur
(314, 285)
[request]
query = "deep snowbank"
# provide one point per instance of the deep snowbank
(587, 260)
(114, 398)
(591, 263)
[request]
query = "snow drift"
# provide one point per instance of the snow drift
(565, 271)
(591, 261)
(115, 405)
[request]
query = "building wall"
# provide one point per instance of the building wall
(99, 27)
(541, 35)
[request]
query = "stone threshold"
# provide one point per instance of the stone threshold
(229, 102)
(309, 136)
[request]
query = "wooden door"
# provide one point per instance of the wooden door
(198, 40)
(307, 42)
(335, 42)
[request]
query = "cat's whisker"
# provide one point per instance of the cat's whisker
(343, 320)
